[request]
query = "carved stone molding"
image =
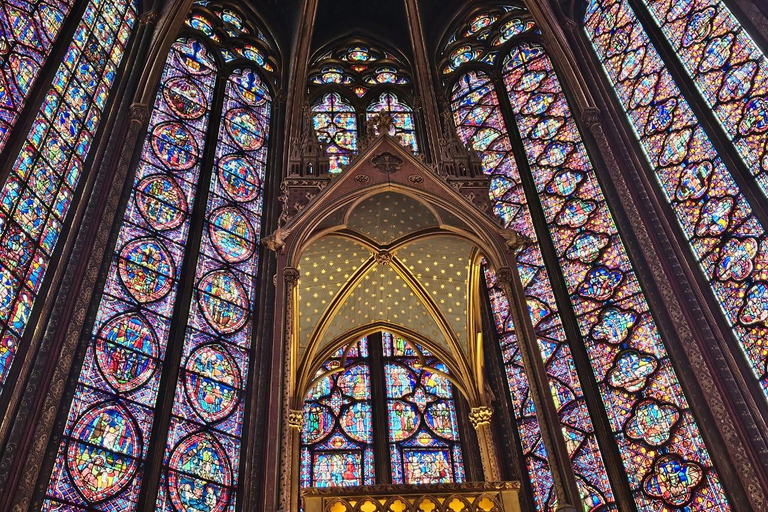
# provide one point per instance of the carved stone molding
(479, 416)
(387, 162)
(148, 18)
(591, 116)
(138, 112)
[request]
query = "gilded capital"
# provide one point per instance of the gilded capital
(479, 416)
(296, 419)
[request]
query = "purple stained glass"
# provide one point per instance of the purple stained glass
(402, 116)
(628, 356)
(337, 433)
(209, 400)
(28, 30)
(479, 124)
(728, 68)
(335, 123)
(100, 461)
(36, 198)
(717, 220)
(423, 430)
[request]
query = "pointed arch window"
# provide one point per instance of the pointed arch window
(402, 117)
(44, 178)
(554, 187)
(335, 123)
(726, 237)
(354, 82)
(416, 407)
(207, 142)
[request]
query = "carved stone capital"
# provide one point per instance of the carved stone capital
(148, 18)
(291, 275)
(591, 116)
(504, 275)
(295, 419)
(383, 258)
(479, 416)
(138, 112)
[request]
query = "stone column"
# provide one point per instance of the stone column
(480, 418)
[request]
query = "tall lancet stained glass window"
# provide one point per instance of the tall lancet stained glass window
(102, 460)
(664, 456)
(716, 219)
(352, 83)
(417, 412)
(480, 125)
(37, 195)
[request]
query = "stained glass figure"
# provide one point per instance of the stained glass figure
(335, 123)
(36, 197)
(716, 219)
(729, 69)
(209, 406)
(423, 431)
(28, 30)
(401, 114)
(479, 125)
(622, 341)
(100, 461)
(337, 434)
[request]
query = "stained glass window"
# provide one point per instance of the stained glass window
(371, 80)
(659, 440)
(728, 68)
(28, 30)
(401, 114)
(480, 125)
(203, 451)
(335, 123)
(337, 435)
(716, 219)
(423, 430)
(337, 446)
(105, 443)
(37, 195)
(101, 461)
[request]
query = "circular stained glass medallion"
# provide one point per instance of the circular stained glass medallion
(185, 98)
(442, 420)
(231, 234)
(356, 422)
(318, 422)
(102, 454)
(199, 475)
(146, 269)
(223, 301)
(161, 202)
(192, 56)
(239, 178)
(126, 349)
(403, 420)
(245, 128)
(212, 382)
(249, 86)
(174, 146)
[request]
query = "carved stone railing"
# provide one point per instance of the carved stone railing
(466, 497)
